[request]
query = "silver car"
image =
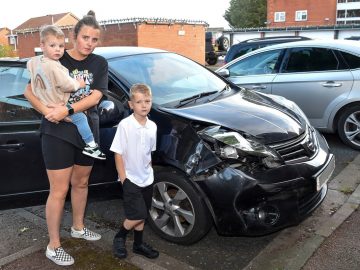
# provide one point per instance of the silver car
(321, 76)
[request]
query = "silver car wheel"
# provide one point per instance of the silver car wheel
(352, 128)
(172, 210)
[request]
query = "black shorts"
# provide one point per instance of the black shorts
(59, 154)
(137, 200)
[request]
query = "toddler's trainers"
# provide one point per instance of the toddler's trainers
(85, 234)
(94, 152)
(59, 256)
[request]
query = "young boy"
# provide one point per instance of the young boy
(52, 84)
(133, 143)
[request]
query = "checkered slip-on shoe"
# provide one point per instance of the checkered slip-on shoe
(86, 234)
(59, 256)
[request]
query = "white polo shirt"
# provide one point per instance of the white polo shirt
(135, 143)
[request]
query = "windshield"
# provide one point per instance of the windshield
(171, 77)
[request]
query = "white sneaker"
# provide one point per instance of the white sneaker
(86, 234)
(59, 256)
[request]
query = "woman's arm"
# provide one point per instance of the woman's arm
(58, 113)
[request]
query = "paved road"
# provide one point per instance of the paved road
(212, 252)
(215, 251)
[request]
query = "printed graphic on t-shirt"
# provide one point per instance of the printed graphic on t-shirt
(81, 92)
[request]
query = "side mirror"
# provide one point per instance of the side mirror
(109, 113)
(224, 72)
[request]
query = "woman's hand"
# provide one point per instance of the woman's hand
(56, 113)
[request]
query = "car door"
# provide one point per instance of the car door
(316, 79)
(22, 168)
(256, 71)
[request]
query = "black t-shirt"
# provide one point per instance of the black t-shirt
(94, 70)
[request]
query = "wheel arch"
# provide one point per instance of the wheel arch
(194, 185)
(339, 112)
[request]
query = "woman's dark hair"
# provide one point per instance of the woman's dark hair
(88, 20)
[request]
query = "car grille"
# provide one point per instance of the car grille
(300, 149)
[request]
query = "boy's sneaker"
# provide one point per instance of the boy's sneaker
(145, 250)
(119, 248)
(59, 256)
(85, 234)
(94, 152)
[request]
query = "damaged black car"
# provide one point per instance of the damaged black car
(245, 162)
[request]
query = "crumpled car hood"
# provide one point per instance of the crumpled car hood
(252, 114)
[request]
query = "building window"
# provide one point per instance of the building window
(341, 13)
(279, 16)
(301, 15)
(351, 13)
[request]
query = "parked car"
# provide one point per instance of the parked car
(253, 44)
(216, 45)
(246, 162)
(321, 76)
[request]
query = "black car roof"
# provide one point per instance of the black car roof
(276, 38)
(106, 52)
(118, 51)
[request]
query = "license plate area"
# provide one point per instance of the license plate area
(325, 175)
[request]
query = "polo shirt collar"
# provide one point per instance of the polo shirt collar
(137, 124)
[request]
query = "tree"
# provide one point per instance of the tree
(246, 13)
(6, 51)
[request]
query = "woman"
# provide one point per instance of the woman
(61, 143)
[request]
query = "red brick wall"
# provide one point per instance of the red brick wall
(4, 40)
(317, 11)
(169, 37)
(27, 42)
(162, 36)
(119, 35)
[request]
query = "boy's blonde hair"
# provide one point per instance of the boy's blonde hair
(53, 30)
(140, 88)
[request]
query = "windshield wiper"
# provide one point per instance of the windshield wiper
(227, 87)
(187, 100)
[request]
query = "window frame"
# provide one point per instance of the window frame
(280, 16)
(299, 15)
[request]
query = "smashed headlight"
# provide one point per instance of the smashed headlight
(232, 145)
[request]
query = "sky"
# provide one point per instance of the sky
(205, 10)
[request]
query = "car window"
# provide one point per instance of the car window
(311, 59)
(170, 76)
(13, 105)
(261, 63)
(244, 50)
(352, 60)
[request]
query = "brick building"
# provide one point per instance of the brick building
(284, 13)
(4, 32)
(185, 37)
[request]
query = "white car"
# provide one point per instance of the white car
(321, 76)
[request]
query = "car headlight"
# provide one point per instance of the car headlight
(232, 145)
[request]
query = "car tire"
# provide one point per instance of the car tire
(178, 213)
(223, 43)
(211, 58)
(348, 127)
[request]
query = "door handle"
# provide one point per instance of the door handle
(331, 84)
(258, 87)
(11, 146)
